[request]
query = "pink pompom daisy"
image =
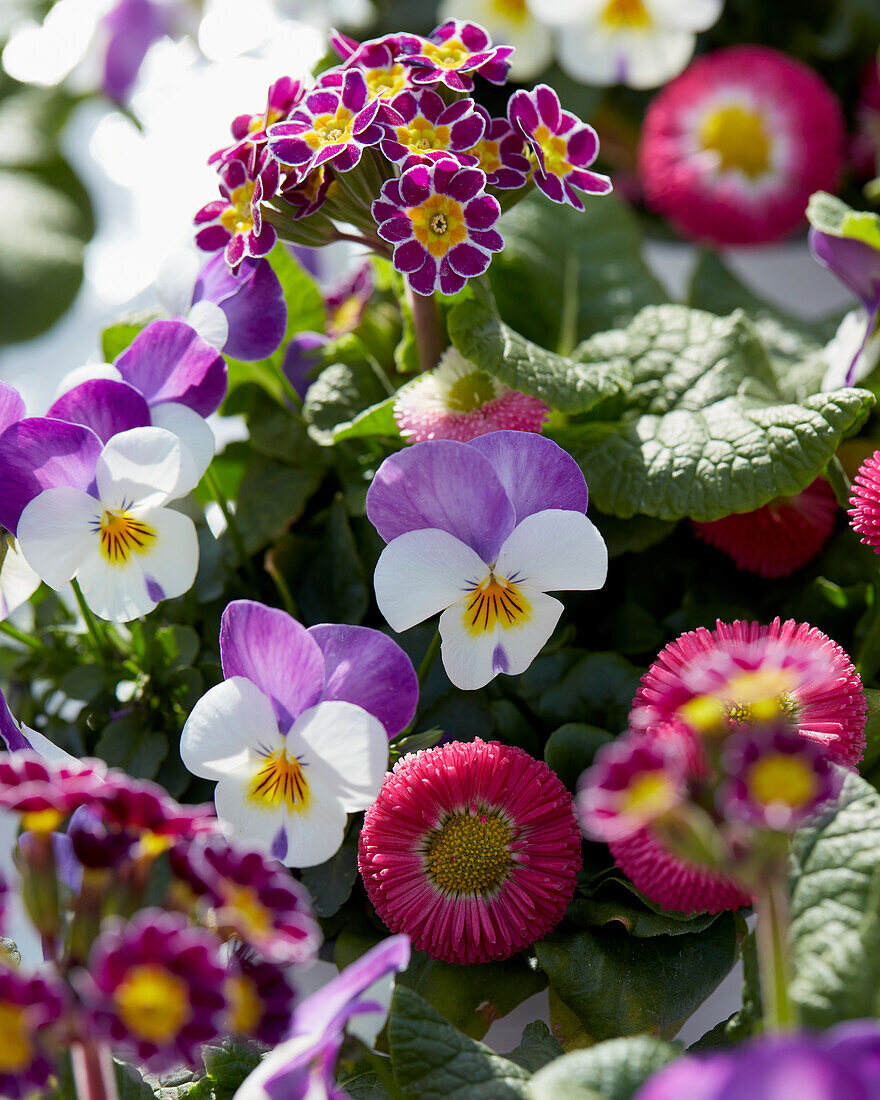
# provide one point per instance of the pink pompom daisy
(733, 148)
(459, 401)
(865, 502)
(736, 668)
(779, 538)
(472, 849)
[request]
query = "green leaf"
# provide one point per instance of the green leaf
(117, 337)
(305, 303)
(130, 744)
(569, 386)
(704, 430)
(331, 882)
(612, 898)
(570, 750)
(536, 1048)
(432, 1060)
(228, 1063)
(632, 535)
(366, 1086)
(613, 1071)
(872, 731)
(333, 587)
(376, 420)
(338, 395)
(272, 497)
(618, 984)
(579, 272)
(597, 687)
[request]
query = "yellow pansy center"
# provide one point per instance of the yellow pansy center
(739, 136)
(153, 1003)
(496, 602)
(238, 217)
(779, 777)
(421, 135)
(438, 224)
(330, 129)
(280, 782)
(123, 535)
(245, 1005)
(648, 796)
(554, 149)
(386, 83)
(513, 10)
(625, 14)
(16, 1039)
(448, 55)
(249, 910)
(469, 854)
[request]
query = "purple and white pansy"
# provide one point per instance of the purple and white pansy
(18, 581)
(481, 531)
(441, 223)
(452, 52)
(296, 735)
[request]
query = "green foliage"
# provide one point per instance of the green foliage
(536, 1048)
(614, 1070)
(570, 750)
(611, 898)
(330, 883)
(117, 337)
(227, 1064)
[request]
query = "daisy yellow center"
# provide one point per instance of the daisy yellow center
(554, 149)
(153, 1003)
(469, 854)
(245, 1005)
(781, 778)
(495, 602)
(386, 83)
(248, 908)
(648, 796)
(620, 14)
(238, 217)
(331, 129)
(421, 134)
(280, 782)
(16, 1045)
(438, 224)
(739, 136)
(448, 55)
(514, 10)
(472, 391)
(751, 697)
(123, 535)
(488, 154)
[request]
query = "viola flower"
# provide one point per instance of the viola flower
(330, 125)
(775, 779)
(296, 736)
(235, 222)
(29, 1006)
(501, 154)
(864, 509)
(472, 849)
(130, 27)
(733, 148)
(15, 737)
(564, 146)
(154, 985)
(18, 581)
(480, 531)
(305, 1064)
(640, 43)
(420, 127)
(441, 223)
(459, 401)
(260, 999)
(452, 52)
(80, 510)
(779, 538)
(795, 668)
(510, 22)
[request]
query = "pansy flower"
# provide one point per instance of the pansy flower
(98, 513)
(452, 52)
(18, 581)
(513, 23)
(297, 734)
(330, 125)
(481, 531)
(346, 302)
(29, 1006)
(441, 223)
(564, 146)
(733, 148)
(501, 154)
(234, 223)
(419, 126)
(852, 353)
(129, 28)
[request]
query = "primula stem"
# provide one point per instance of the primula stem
(244, 558)
(429, 659)
(97, 635)
(93, 1072)
(774, 962)
(426, 324)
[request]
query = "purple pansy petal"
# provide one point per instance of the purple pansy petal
(169, 361)
(482, 212)
(691, 1077)
(11, 737)
(450, 281)
(535, 472)
(467, 261)
(132, 26)
(301, 357)
(424, 280)
(409, 256)
(367, 668)
(38, 454)
(253, 302)
(104, 406)
(275, 653)
(445, 485)
(854, 262)
(12, 406)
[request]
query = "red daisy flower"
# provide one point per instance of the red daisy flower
(472, 849)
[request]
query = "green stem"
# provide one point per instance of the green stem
(839, 482)
(99, 638)
(20, 636)
(774, 963)
(244, 558)
(868, 656)
(426, 326)
(429, 659)
(282, 586)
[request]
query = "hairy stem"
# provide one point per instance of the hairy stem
(426, 325)
(774, 962)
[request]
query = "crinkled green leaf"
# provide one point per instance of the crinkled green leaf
(130, 743)
(610, 897)
(872, 731)
(339, 394)
(597, 687)
(570, 750)
(704, 430)
(614, 1070)
(271, 497)
(376, 420)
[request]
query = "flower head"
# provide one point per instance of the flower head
(250, 130)
(130, 28)
(472, 849)
(864, 509)
(44, 792)
(779, 538)
(420, 127)
(346, 302)
(452, 52)
(146, 812)
(482, 531)
(260, 999)
(378, 59)
(564, 146)
(235, 222)
(733, 148)
(459, 401)
(501, 154)
(513, 23)
(297, 734)
(441, 223)
(28, 1007)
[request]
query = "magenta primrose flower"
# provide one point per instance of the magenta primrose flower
(283, 95)
(378, 60)
(420, 127)
(441, 223)
(28, 1006)
(260, 997)
(564, 146)
(501, 153)
(452, 52)
(235, 222)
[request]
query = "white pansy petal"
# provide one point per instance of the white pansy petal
(346, 747)
(243, 817)
(552, 551)
(522, 644)
(176, 282)
(315, 833)
(589, 54)
(138, 469)
(171, 560)
(210, 322)
(196, 442)
(115, 591)
(56, 532)
(654, 58)
(560, 13)
(422, 572)
(48, 749)
(227, 726)
(687, 15)
(18, 581)
(87, 373)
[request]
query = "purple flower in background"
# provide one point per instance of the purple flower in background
(842, 1063)
(419, 126)
(501, 154)
(564, 146)
(302, 356)
(346, 301)
(18, 581)
(15, 737)
(260, 998)
(296, 736)
(305, 1064)
(441, 223)
(235, 222)
(329, 125)
(28, 1005)
(452, 52)
(481, 531)
(132, 27)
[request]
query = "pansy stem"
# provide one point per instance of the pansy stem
(429, 659)
(426, 326)
(19, 636)
(93, 1072)
(97, 635)
(774, 962)
(244, 558)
